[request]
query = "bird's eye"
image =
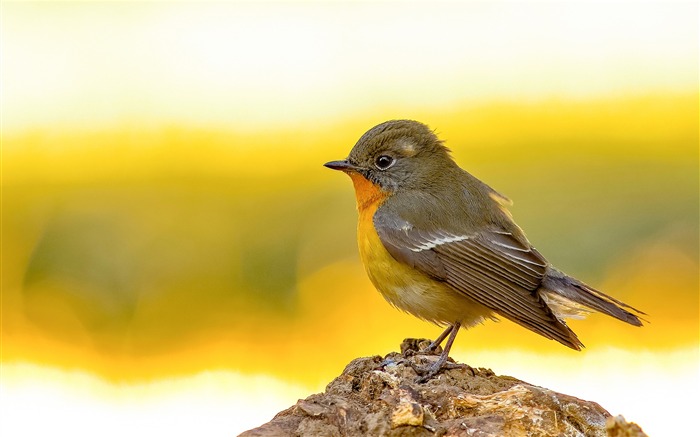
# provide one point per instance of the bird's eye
(384, 161)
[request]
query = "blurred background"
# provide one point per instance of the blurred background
(176, 259)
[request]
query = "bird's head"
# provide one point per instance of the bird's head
(397, 155)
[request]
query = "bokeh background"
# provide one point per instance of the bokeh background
(176, 259)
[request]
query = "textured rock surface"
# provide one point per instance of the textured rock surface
(379, 396)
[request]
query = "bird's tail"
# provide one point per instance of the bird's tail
(570, 298)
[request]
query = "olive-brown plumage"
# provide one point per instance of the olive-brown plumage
(440, 244)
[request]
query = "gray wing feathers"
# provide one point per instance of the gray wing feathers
(491, 268)
(394, 234)
(505, 282)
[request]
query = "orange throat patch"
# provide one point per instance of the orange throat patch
(369, 195)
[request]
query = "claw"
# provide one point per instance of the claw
(427, 373)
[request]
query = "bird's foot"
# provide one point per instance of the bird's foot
(427, 373)
(441, 363)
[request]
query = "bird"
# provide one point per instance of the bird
(441, 245)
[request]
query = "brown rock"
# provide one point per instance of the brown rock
(618, 427)
(379, 396)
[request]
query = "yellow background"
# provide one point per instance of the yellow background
(175, 256)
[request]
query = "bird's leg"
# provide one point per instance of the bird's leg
(435, 344)
(442, 360)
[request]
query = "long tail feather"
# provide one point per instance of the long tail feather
(557, 285)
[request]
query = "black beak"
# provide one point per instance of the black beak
(343, 165)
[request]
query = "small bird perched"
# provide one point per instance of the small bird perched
(440, 244)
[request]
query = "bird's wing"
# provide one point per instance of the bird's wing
(491, 267)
